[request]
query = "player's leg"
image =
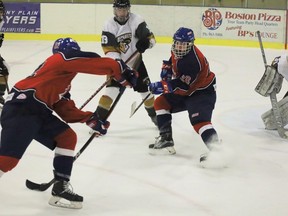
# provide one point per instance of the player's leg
(142, 88)
(15, 135)
(106, 100)
(4, 73)
(57, 135)
(165, 105)
(200, 107)
(269, 117)
(3, 86)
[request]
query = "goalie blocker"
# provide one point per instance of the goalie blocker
(270, 80)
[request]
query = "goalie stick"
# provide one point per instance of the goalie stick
(273, 97)
(44, 186)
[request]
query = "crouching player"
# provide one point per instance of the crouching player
(187, 85)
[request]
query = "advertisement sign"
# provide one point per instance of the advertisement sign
(239, 24)
(22, 18)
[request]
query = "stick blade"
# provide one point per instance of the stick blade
(37, 187)
(133, 109)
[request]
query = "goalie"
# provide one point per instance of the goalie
(272, 81)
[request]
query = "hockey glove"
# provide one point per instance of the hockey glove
(143, 44)
(166, 72)
(160, 87)
(1, 39)
(99, 126)
(3, 68)
(129, 76)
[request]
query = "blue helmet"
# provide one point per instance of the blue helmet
(63, 44)
(183, 42)
(184, 35)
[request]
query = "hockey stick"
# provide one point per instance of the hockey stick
(106, 82)
(133, 106)
(95, 93)
(44, 186)
(273, 97)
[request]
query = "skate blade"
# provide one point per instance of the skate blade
(63, 203)
(163, 151)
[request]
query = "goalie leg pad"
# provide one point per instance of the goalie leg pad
(269, 118)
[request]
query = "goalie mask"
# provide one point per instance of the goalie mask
(64, 44)
(183, 40)
(121, 10)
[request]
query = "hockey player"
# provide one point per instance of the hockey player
(3, 66)
(123, 35)
(272, 80)
(28, 112)
(187, 84)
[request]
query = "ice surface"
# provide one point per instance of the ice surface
(117, 176)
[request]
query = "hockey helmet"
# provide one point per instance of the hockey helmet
(183, 40)
(64, 44)
(121, 10)
(121, 3)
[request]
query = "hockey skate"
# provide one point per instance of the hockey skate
(217, 157)
(62, 196)
(164, 145)
(203, 157)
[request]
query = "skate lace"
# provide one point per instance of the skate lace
(159, 141)
(67, 189)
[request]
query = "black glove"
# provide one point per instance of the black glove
(1, 39)
(3, 68)
(131, 76)
(128, 76)
(142, 45)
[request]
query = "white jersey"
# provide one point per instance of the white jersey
(283, 66)
(119, 41)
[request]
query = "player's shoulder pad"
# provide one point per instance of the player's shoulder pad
(136, 19)
(69, 55)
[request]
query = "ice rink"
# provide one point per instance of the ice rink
(116, 175)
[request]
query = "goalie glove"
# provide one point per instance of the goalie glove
(99, 126)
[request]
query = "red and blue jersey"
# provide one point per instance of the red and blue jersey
(191, 73)
(51, 81)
